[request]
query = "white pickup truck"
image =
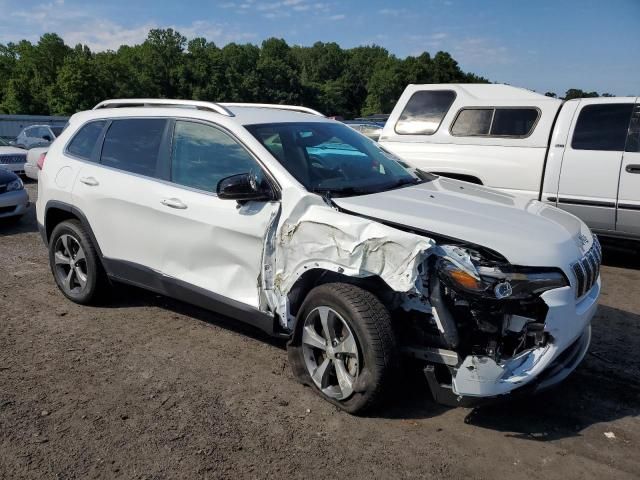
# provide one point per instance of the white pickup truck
(581, 155)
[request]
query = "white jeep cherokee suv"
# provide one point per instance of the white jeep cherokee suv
(308, 230)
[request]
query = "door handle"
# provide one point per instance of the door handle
(633, 168)
(173, 203)
(90, 181)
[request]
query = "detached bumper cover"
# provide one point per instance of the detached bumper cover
(569, 325)
(14, 203)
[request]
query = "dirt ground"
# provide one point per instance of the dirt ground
(148, 387)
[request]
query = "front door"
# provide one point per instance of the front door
(208, 242)
(628, 218)
(591, 163)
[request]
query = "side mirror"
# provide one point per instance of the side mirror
(243, 188)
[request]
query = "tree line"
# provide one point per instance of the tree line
(51, 78)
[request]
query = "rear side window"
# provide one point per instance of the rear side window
(424, 112)
(203, 155)
(133, 145)
(602, 127)
(495, 122)
(84, 141)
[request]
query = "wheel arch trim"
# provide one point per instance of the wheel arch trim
(75, 212)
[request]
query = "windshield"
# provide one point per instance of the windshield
(332, 158)
(4, 143)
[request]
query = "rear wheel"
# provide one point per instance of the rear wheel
(74, 263)
(344, 347)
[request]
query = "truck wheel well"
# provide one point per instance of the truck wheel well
(315, 277)
(460, 176)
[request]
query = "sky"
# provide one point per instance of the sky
(542, 45)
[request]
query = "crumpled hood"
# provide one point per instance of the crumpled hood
(525, 232)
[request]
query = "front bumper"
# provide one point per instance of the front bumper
(14, 203)
(569, 326)
(17, 168)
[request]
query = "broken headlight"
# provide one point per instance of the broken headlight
(467, 271)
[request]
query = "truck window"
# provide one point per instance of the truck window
(495, 122)
(424, 112)
(473, 121)
(602, 127)
(514, 122)
(633, 140)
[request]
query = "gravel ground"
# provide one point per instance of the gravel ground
(148, 387)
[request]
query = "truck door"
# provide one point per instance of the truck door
(628, 215)
(590, 170)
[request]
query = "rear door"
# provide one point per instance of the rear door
(120, 194)
(628, 218)
(591, 163)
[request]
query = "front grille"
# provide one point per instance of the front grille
(13, 159)
(7, 209)
(587, 269)
(3, 188)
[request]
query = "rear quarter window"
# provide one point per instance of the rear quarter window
(424, 112)
(84, 141)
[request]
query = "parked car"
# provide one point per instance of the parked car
(34, 157)
(37, 136)
(369, 129)
(12, 158)
(582, 155)
(14, 199)
(354, 259)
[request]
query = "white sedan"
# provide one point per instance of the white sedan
(12, 158)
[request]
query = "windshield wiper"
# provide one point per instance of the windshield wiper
(341, 191)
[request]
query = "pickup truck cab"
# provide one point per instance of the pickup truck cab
(581, 155)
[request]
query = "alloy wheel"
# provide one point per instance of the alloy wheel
(70, 264)
(330, 352)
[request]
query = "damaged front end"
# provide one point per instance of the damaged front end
(485, 327)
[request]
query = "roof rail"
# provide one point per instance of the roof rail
(274, 106)
(164, 102)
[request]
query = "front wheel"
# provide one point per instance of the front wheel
(344, 347)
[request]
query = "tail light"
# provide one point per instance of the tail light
(41, 160)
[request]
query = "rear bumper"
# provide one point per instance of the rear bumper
(31, 171)
(14, 203)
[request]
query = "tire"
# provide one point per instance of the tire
(363, 347)
(82, 278)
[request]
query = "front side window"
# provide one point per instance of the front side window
(203, 155)
(633, 140)
(332, 158)
(57, 130)
(495, 122)
(424, 112)
(602, 127)
(133, 145)
(84, 141)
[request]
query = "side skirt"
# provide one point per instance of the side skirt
(147, 278)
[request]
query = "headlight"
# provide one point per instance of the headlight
(15, 185)
(466, 271)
